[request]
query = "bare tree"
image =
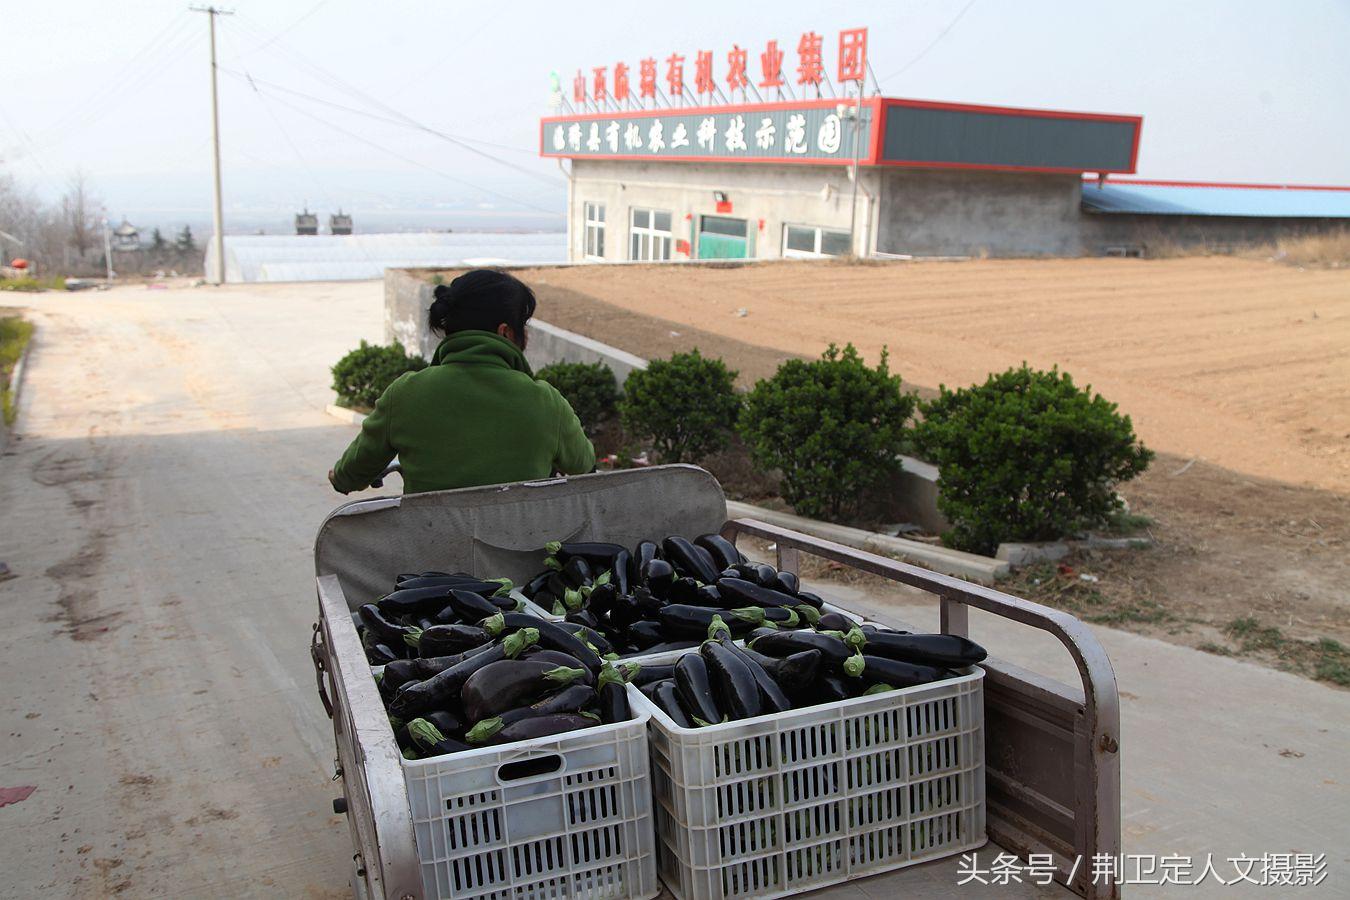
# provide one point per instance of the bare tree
(80, 212)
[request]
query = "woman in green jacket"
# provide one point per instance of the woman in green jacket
(476, 415)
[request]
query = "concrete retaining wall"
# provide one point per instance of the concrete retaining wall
(407, 297)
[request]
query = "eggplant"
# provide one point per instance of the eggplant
(657, 576)
(939, 650)
(663, 647)
(381, 655)
(694, 687)
(624, 611)
(833, 621)
(577, 571)
(648, 604)
(747, 570)
(397, 673)
(793, 673)
(747, 593)
(536, 584)
(543, 726)
(425, 668)
(780, 616)
(594, 552)
(647, 673)
(427, 738)
(734, 685)
(569, 700)
(646, 634)
(771, 694)
(666, 697)
(613, 696)
(446, 722)
(582, 618)
(504, 685)
(471, 607)
(643, 553)
(829, 689)
(381, 628)
(444, 640)
(689, 560)
(619, 567)
(833, 650)
(787, 582)
(443, 689)
(724, 552)
(601, 600)
(422, 601)
(679, 620)
(558, 658)
(506, 603)
(432, 579)
(809, 598)
(683, 590)
(590, 636)
(880, 670)
(551, 636)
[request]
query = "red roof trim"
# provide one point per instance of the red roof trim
(1237, 185)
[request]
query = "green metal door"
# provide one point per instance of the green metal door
(722, 238)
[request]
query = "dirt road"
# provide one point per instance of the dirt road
(1240, 363)
(159, 509)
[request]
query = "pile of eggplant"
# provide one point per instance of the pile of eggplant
(661, 597)
(776, 671)
(459, 666)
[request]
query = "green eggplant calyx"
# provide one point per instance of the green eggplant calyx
(751, 643)
(770, 625)
(552, 563)
(701, 723)
(409, 753)
(792, 620)
(552, 547)
(483, 730)
(856, 636)
(504, 582)
(586, 590)
(754, 615)
(833, 634)
(395, 723)
(493, 625)
(608, 675)
(572, 599)
(717, 626)
(589, 715)
(611, 656)
(854, 665)
(628, 671)
(564, 675)
(378, 676)
(878, 689)
(809, 613)
(525, 637)
(559, 609)
(605, 578)
(412, 636)
(521, 605)
(424, 733)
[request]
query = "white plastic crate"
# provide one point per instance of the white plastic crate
(782, 804)
(566, 816)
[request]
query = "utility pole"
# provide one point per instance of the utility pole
(217, 216)
(107, 250)
(857, 150)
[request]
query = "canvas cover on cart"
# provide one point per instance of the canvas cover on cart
(499, 530)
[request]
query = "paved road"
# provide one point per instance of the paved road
(158, 511)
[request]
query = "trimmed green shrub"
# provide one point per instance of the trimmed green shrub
(685, 406)
(360, 377)
(1026, 456)
(589, 388)
(833, 427)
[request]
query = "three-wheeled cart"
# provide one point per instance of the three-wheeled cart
(1051, 750)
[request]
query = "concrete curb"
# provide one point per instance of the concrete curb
(1024, 554)
(981, 569)
(16, 384)
(342, 413)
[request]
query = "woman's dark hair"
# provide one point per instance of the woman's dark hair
(482, 300)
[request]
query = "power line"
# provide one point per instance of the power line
(283, 32)
(419, 164)
(941, 34)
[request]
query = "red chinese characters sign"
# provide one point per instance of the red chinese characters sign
(810, 73)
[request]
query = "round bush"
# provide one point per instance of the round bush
(684, 406)
(832, 427)
(1026, 456)
(589, 388)
(360, 377)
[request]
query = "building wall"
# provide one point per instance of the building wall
(1153, 234)
(778, 195)
(943, 212)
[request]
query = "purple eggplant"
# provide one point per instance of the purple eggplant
(666, 697)
(569, 700)
(734, 686)
(443, 690)
(504, 685)
(695, 690)
(724, 552)
(543, 726)
(689, 560)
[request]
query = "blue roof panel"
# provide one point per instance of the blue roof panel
(1215, 200)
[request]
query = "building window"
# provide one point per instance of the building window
(807, 241)
(650, 237)
(595, 231)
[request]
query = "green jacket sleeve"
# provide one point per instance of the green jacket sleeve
(575, 455)
(366, 456)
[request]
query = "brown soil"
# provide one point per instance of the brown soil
(1235, 367)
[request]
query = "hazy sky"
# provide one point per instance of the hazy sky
(1229, 91)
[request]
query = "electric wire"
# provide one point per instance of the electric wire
(933, 43)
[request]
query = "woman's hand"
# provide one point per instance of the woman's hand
(334, 483)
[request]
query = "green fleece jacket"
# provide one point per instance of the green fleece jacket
(474, 416)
